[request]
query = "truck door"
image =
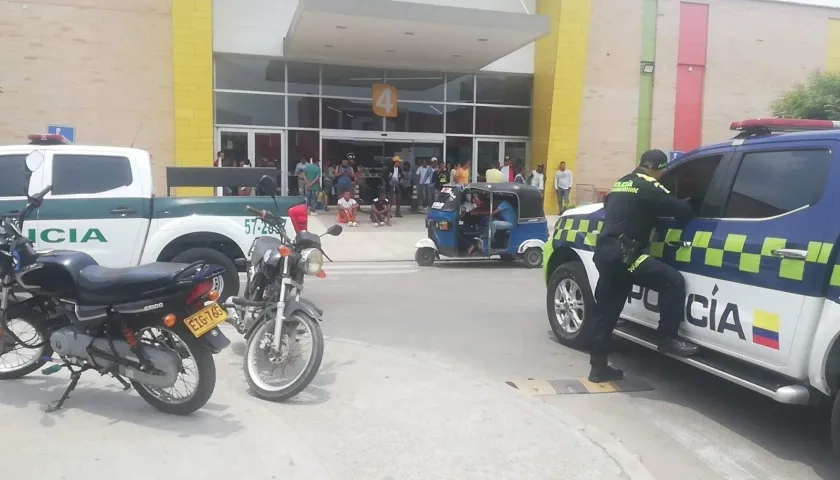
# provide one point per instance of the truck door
(761, 258)
(96, 206)
(15, 182)
(695, 177)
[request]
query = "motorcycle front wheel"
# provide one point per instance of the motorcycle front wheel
(260, 357)
(186, 396)
(18, 359)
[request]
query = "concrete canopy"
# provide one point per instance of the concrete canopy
(407, 35)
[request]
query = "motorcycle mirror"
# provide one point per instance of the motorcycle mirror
(34, 160)
(268, 185)
(334, 230)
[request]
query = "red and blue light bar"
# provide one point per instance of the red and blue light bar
(783, 125)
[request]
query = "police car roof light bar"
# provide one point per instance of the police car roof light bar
(47, 139)
(783, 125)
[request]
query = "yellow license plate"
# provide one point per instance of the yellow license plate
(206, 319)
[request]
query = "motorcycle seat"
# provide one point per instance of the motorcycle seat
(106, 286)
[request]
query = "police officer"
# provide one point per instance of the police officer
(631, 208)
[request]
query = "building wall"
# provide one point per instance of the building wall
(103, 67)
(610, 97)
(755, 51)
(255, 27)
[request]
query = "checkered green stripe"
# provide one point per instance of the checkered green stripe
(578, 231)
(792, 269)
(583, 233)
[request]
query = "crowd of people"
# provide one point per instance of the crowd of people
(318, 183)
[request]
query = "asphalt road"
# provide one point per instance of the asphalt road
(492, 317)
(413, 385)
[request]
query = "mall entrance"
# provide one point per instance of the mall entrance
(375, 150)
(259, 147)
(489, 150)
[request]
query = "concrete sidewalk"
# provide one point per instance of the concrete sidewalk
(369, 243)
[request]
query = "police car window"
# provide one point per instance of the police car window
(80, 174)
(14, 182)
(692, 179)
(772, 183)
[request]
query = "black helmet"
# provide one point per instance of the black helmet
(351, 156)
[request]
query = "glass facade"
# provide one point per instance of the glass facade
(311, 105)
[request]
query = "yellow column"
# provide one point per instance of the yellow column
(559, 65)
(832, 61)
(192, 58)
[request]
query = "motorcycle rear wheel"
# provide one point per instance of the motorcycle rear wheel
(205, 368)
(260, 388)
(16, 315)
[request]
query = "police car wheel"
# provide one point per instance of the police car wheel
(229, 281)
(569, 304)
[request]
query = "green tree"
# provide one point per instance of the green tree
(818, 99)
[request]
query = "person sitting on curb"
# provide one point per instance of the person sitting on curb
(347, 209)
(380, 210)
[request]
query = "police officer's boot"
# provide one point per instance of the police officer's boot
(601, 372)
(677, 346)
(7, 344)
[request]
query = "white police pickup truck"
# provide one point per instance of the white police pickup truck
(760, 262)
(102, 203)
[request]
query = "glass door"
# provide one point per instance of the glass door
(247, 147)
(487, 152)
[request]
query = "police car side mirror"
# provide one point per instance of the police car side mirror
(34, 160)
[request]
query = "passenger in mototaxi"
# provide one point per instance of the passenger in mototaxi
(469, 233)
(502, 218)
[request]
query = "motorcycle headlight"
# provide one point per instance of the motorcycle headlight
(312, 260)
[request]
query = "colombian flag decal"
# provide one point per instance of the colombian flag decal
(766, 329)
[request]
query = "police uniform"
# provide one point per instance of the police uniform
(631, 208)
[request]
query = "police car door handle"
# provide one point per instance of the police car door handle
(790, 253)
(679, 244)
(122, 211)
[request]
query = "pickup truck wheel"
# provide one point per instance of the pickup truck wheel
(228, 283)
(570, 305)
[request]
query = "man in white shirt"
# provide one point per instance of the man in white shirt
(347, 209)
(562, 185)
(421, 190)
(427, 183)
(508, 171)
(538, 179)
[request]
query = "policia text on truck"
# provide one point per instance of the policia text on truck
(760, 262)
(632, 207)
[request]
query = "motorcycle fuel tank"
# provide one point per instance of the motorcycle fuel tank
(54, 272)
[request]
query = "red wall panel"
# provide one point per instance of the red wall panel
(691, 72)
(688, 112)
(694, 28)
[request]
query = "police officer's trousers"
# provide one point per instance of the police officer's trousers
(616, 279)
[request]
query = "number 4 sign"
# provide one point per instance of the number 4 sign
(384, 100)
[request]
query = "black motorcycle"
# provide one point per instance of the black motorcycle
(272, 315)
(151, 324)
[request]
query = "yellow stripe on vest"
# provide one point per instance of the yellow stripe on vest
(638, 262)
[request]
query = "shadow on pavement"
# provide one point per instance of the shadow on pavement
(794, 433)
(117, 405)
(493, 263)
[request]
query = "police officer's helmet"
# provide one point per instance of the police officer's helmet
(351, 156)
(654, 160)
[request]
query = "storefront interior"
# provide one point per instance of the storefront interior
(270, 112)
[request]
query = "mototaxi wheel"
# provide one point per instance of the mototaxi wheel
(425, 256)
(533, 257)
